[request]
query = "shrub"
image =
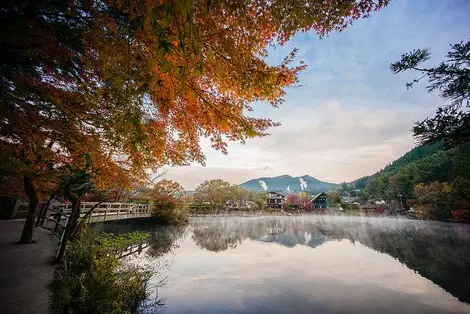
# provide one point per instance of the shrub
(92, 279)
(433, 200)
(168, 210)
(201, 209)
(461, 215)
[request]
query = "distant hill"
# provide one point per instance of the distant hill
(416, 156)
(397, 180)
(286, 183)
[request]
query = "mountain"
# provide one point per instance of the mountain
(295, 184)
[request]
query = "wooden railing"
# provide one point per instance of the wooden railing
(134, 248)
(107, 211)
(56, 219)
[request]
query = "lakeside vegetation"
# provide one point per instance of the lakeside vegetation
(92, 278)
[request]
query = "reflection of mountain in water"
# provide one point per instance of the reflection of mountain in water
(437, 251)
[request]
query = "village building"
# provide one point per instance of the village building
(275, 200)
(319, 201)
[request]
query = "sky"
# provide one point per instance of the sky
(349, 116)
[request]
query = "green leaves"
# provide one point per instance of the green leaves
(410, 60)
(92, 279)
(452, 79)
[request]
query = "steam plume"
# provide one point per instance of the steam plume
(303, 184)
(263, 185)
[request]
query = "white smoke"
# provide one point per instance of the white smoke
(303, 184)
(263, 185)
(288, 189)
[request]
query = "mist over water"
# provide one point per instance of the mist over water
(312, 264)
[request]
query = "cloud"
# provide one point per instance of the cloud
(331, 141)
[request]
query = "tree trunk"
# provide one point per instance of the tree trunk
(27, 234)
(71, 222)
(74, 217)
(88, 214)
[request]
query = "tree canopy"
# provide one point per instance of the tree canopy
(135, 84)
(452, 79)
(118, 88)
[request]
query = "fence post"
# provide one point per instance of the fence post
(58, 217)
(61, 248)
(13, 213)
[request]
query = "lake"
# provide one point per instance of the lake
(309, 264)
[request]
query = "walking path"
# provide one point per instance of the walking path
(25, 270)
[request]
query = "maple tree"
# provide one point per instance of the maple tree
(133, 85)
(169, 203)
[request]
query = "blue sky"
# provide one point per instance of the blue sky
(350, 115)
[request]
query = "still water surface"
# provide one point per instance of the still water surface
(310, 264)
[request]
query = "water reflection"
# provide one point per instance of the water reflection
(315, 264)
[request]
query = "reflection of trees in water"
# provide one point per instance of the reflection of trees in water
(437, 251)
(222, 234)
(216, 237)
(164, 239)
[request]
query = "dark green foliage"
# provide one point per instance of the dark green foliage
(449, 124)
(388, 184)
(424, 166)
(452, 79)
(92, 279)
(201, 209)
(414, 165)
(349, 207)
(413, 155)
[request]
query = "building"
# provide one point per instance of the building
(275, 200)
(319, 201)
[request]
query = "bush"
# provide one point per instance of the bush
(169, 211)
(92, 279)
(433, 201)
(461, 215)
(202, 209)
(349, 206)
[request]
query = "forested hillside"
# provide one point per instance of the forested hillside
(412, 156)
(425, 174)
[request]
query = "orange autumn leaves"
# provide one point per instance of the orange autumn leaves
(150, 78)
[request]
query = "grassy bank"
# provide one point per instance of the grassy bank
(93, 279)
